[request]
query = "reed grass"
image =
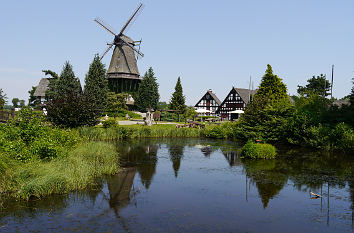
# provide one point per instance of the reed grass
(258, 151)
(138, 131)
(78, 170)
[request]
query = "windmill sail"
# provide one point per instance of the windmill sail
(123, 74)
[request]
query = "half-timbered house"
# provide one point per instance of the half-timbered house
(237, 99)
(209, 102)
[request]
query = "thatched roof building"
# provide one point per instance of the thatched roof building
(42, 88)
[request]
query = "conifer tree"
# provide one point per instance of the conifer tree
(96, 84)
(352, 95)
(50, 93)
(178, 100)
(3, 99)
(148, 92)
(67, 84)
(32, 101)
(272, 87)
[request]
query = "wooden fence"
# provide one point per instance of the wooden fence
(7, 115)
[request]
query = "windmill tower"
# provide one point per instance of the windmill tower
(123, 74)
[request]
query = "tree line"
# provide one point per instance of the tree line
(309, 119)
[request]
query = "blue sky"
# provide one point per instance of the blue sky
(210, 44)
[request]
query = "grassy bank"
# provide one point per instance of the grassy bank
(138, 131)
(77, 170)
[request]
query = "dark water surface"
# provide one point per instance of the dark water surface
(190, 185)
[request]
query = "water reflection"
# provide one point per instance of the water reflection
(120, 187)
(267, 178)
(176, 155)
(207, 150)
(142, 155)
(232, 156)
(277, 191)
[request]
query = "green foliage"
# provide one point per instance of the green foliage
(2, 102)
(315, 125)
(110, 122)
(265, 120)
(3, 99)
(96, 84)
(148, 92)
(72, 111)
(351, 95)
(258, 151)
(178, 100)
(27, 138)
(22, 103)
(69, 107)
(116, 102)
(78, 170)
(190, 112)
(342, 138)
(162, 106)
(272, 87)
(67, 83)
(138, 131)
(225, 130)
(32, 101)
(51, 92)
(15, 102)
(315, 86)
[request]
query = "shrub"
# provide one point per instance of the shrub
(342, 138)
(110, 122)
(225, 130)
(258, 151)
(27, 138)
(72, 110)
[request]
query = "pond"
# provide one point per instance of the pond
(197, 185)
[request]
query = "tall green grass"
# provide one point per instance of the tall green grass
(258, 151)
(76, 171)
(138, 131)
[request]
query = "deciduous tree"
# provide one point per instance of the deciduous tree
(22, 103)
(316, 85)
(116, 102)
(15, 102)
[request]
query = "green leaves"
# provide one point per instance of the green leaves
(116, 102)
(27, 138)
(315, 86)
(272, 87)
(3, 99)
(70, 107)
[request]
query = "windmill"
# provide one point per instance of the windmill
(123, 74)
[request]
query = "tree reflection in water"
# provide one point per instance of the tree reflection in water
(176, 155)
(143, 156)
(294, 171)
(121, 192)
